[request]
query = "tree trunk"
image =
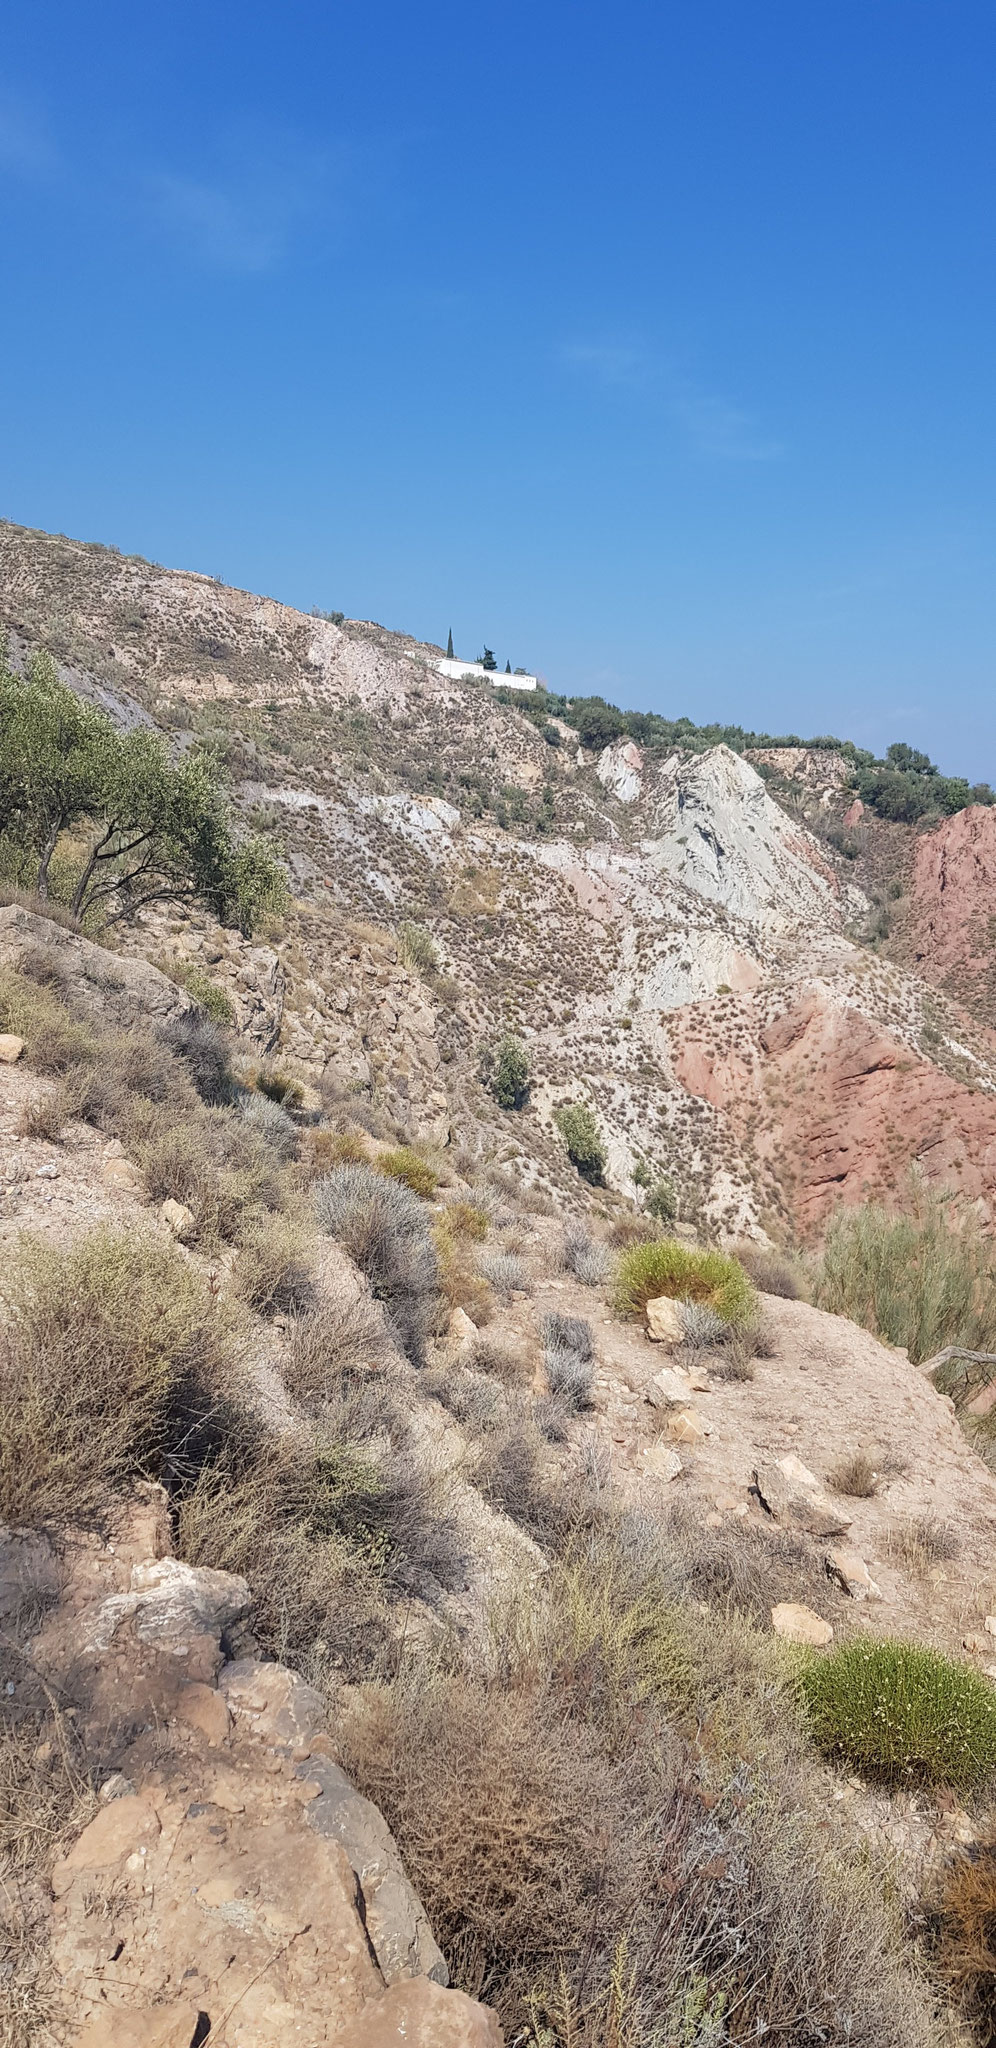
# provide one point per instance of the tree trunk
(41, 883)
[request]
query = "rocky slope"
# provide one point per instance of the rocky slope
(670, 940)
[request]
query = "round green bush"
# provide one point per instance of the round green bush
(666, 1267)
(901, 1712)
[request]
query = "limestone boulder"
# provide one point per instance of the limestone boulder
(169, 1605)
(178, 1218)
(686, 1427)
(395, 1918)
(273, 1703)
(792, 1495)
(421, 2015)
(851, 1572)
(799, 1624)
(665, 1323)
(106, 986)
(11, 1048)
(669, 1388)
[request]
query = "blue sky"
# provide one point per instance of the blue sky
(651, 343)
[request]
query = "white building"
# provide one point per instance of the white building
(447, 667)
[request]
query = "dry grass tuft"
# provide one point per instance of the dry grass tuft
(773, 1272)
(922, 1541)
(113, 1356)
(855, 1476)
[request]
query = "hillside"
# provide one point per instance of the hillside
(677, 940)
(456, 1585)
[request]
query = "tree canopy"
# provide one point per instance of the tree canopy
(125, 822)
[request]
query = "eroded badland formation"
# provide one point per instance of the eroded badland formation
(415, 1663)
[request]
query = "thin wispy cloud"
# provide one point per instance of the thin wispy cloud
(245, 216)
(26, 147)
(715, 429)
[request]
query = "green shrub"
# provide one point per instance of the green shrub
(505, 1070)
(662, 1200)
(407, 1165)
(214, 1001)
(666, 1267)
(585, 1150)
(901, 1712)
(922, 1280)
(418, 948)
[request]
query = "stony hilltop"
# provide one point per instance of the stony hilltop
(425, 1564)
(677, 936)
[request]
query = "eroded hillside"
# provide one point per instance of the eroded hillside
(672, 941)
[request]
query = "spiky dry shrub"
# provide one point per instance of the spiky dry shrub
(385, 1228)
(274, 1266)
(338, 1337)
(962, 1926)
(506, 1361)
(919, 1541)
(273, 1122)
(619, 1834)
(115, 1360)
(773, 1272)
(922, 1280)
(504, 1272)
(855, 1476)
(582, 1255)
(46, 1799)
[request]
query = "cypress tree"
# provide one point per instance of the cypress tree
(449, 646)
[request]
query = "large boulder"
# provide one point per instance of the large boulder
(395, 1917)
(96, 983)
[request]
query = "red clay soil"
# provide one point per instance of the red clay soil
(838, 1108)
(954, 904)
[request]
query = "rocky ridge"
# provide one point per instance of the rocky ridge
(671, 942)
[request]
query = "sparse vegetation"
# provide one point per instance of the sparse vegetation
(903, 1713)
(215, 1002)
(855, 1476)
(665, 1266)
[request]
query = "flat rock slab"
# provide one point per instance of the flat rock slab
(799, 1624)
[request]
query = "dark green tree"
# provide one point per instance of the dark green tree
(487, 659)
(505, 1070)
(508, 668)
(449, 645)
(585, 1149)
(145, 827)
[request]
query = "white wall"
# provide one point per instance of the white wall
(488, 675)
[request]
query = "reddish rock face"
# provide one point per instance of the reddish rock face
(838, 1109)
(954, 892)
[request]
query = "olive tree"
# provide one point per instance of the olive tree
(146, 827)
